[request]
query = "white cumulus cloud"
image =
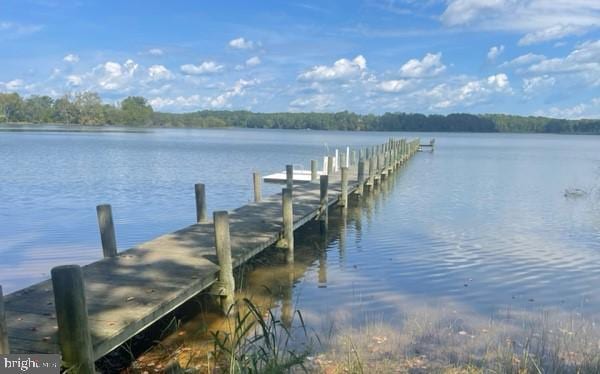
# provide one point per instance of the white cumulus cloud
(590, 109)
(72, 58)
(395, 85)
(74, 80)
(583, 62)
(12, 85)
(341, 69)
(241, 43)
(159, 72)
(238, 89)
(116, 76)
(207, 67)
(178, 103)
(551, 33)
(494, 52)
(538, 20)
(535, 84)
(525, 59)
(466, 94)
(317, 102)
(430, 66)
(253, 61)
(498, 81)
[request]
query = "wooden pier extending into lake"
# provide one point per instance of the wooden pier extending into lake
(86, 312)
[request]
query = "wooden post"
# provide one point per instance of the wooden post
(223, 247)
(200, 202)
(313, 171)
(107, 230)
(71, 315)
(342, 160)
(289, 176)
(324, 206)
(371, 171)
(377, 170)
(4, 347)
(330, 165)
(361, 177)
(353, 160)
(257, 187)
(288, 223)
(344, 197)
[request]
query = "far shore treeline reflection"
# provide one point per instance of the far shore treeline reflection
(87, 108)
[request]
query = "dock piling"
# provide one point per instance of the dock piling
(107, 230)
(313, 171)
(71, 315)
(361, 177)
(4, 347)
(200, 202)
(344, 197)
(330, 165)
(289, 176)
(223, 248)
(371, 181)
(288, 224)
(257, 187)
(324, 206)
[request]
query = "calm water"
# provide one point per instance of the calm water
(483, 222)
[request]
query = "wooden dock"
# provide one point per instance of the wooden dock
(430, 147)
(126, 292)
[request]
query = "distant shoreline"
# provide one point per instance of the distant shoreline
(114, 128)
(87, 110)
(62, 127)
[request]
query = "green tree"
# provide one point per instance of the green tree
(38, 109)
(89, 108)
(64, 111)
(11, 107)
(136, 111)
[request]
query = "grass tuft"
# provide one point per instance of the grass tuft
(258, 342)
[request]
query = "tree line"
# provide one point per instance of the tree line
(87, 108)
(83, 108)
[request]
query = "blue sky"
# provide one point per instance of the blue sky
(530, 57)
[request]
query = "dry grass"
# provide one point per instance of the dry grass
(427, 342)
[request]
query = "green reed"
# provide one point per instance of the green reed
(258, 342)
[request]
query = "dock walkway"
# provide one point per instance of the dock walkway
(126, 293)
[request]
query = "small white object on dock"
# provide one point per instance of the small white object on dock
(299, 176)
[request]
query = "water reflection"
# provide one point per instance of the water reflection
(402, 256)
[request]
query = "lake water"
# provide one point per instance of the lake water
(482, 222)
